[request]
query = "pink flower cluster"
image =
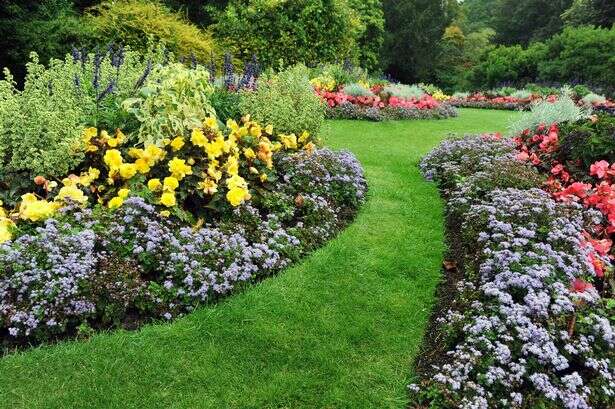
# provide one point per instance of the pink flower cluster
(337, 98)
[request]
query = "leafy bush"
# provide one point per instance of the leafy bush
(287, 101)
(41, 125)
(583, 54)
(592, 99)
(521, 94)
(587, 142)
(547, 113)
(404, 91)
(49, 27)
(226, 104)
(137, 22)
(283, 33)
(357, 90)
(177, 102)
(39, 132)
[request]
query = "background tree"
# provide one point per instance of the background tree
(414, 29)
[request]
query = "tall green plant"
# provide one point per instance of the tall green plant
(286, 101)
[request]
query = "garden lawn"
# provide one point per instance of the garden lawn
(339, 330)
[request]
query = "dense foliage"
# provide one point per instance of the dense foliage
(283, 33)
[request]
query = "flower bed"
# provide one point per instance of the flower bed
(531, 324)
(512, 103)
(377, 100)
(151, 222)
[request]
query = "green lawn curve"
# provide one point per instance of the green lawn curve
(339, 330)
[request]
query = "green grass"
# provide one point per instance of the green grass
(337, 331)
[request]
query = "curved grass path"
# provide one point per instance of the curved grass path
(337, 331)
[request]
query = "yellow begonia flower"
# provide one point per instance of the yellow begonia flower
(256, 131)
(179, 169)
(177, 143)
(214, 172)
(73, 193)
(92, 174)
(304, 137)
(289, 141)
(198, 138)
(269, 129)
(215, 148)
(211, 122)
(5, 230)
(263, 177)
(34, 210)
(153, 154)
(88, 134)
(208, 186)
(232, 165)
(168, 199)
(154, 185)
(309, 148)
(123, 193)
(249, 153)
(170, 183)
(142, 166)
(237, 195)
(113, 159)
(128, 170)
(115, 202)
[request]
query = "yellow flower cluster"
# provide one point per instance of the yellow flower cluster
(6, 225)
(207, 162)
(324, 83)
(440, 96)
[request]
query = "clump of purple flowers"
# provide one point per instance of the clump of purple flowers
(521, 334)
(389, 113)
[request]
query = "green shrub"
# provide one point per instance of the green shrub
(137, 22)
(582, 54)
(509, 64)
(39, 132)
(592, 98)
(404, 91)
(283, 33)
(177, 102)
(357, 90)
(371, 37)
(287, 101)
(548, 113)
(49, 27)
(586, 142)
(226, 104)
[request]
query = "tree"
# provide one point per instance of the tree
(414, 29)
(522, 21)
(371, 38)
(594, 12)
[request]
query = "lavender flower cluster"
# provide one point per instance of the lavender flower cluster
(389, 113)
(506, 106)
(520, 334)
(94, 267)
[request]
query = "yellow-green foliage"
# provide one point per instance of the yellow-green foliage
(176, 102)
(287, 101)
(287, 32)
(136, 22)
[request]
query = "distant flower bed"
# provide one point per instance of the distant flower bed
(522, 100)
(171, 210)
(532, 322)
(351, 94)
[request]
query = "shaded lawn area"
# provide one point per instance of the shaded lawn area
(339, 330)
